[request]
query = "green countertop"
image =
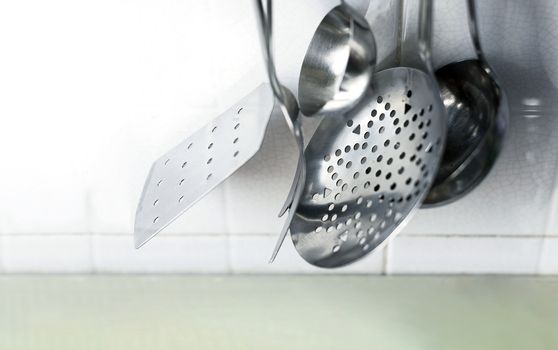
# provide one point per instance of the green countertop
(282, 312)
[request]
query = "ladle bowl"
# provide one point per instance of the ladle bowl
(339, 63)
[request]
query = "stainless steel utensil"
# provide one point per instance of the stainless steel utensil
(477, 112)
(337, 68)
(338, 64)
(369, 169)
(192, 169)
(290, 110)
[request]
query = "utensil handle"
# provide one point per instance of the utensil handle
(265, 21)
(425, 34)
(474, 29)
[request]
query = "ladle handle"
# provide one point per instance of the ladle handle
(425, 34)
(474, 29)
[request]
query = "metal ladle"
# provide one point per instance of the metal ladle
(339, 63)
(477, 112)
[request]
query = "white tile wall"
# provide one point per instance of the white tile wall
(548, 263)
(170, 254)
(464, 255)
(41, 253)
(86, 108)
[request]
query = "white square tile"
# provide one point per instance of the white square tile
(47, 253)
(250, 254)
(548, 263)
(463, 255)
(165, 254)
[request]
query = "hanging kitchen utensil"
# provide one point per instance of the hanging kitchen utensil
(289, 108)
(335, 73)
(338, 65)
(188, 172)
(369, 169)
(477, 112)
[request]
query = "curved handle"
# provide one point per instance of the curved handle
(265, 20)
(289, 108)
(474, 29)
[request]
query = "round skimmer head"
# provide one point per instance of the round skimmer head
(369, 169)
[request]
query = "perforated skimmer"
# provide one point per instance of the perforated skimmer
(369, 170)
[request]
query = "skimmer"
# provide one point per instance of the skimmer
(368, 170)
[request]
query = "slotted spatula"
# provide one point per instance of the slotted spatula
(188, 172)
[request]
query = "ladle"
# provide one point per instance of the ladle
(477, 112)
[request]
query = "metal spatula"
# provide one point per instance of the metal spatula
(188, 172)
